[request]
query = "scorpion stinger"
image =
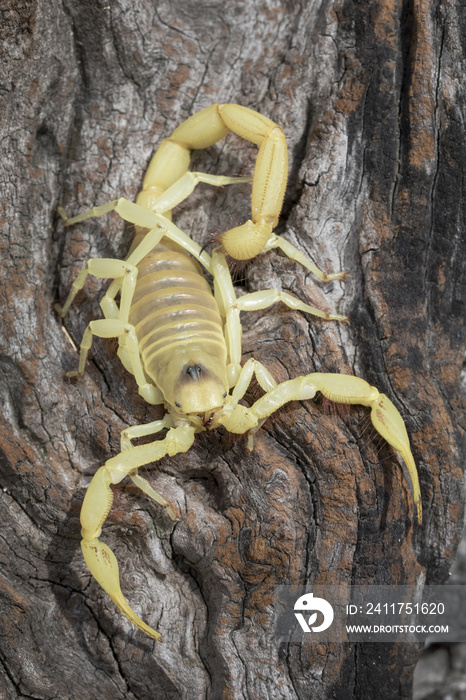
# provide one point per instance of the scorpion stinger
(181, 342)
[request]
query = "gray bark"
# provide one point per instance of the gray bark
(371, 97)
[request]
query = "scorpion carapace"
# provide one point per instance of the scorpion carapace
(181, 342)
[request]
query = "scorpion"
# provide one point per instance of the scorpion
(182, 342)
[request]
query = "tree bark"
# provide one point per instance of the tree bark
(371, 98)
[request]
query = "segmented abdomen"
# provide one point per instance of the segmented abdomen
(173, 309)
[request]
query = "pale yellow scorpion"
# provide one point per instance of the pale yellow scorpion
(181, 342)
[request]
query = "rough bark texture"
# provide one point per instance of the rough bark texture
(371, 97)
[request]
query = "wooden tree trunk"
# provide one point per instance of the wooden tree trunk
(371, 97)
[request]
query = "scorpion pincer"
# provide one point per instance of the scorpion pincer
(181, 342)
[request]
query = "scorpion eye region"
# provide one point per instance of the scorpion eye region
(200, 396)
(198, 390)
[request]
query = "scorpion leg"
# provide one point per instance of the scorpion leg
(348, 389)
(128, 353)
(294, 254)
(181, 189)
(226, 298)
(263, 376)
(240, 377)
(145, 219)
(230, 307)
(137, 431)
(262, 299)
(99, 558)
(110, 327)
(128, 345)
(266, 382)
(103, 268)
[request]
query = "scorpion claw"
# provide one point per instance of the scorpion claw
(390, 425)
(103, 565)
(343, 388)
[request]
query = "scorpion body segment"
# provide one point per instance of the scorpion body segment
(181, 342)
(179, 331)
